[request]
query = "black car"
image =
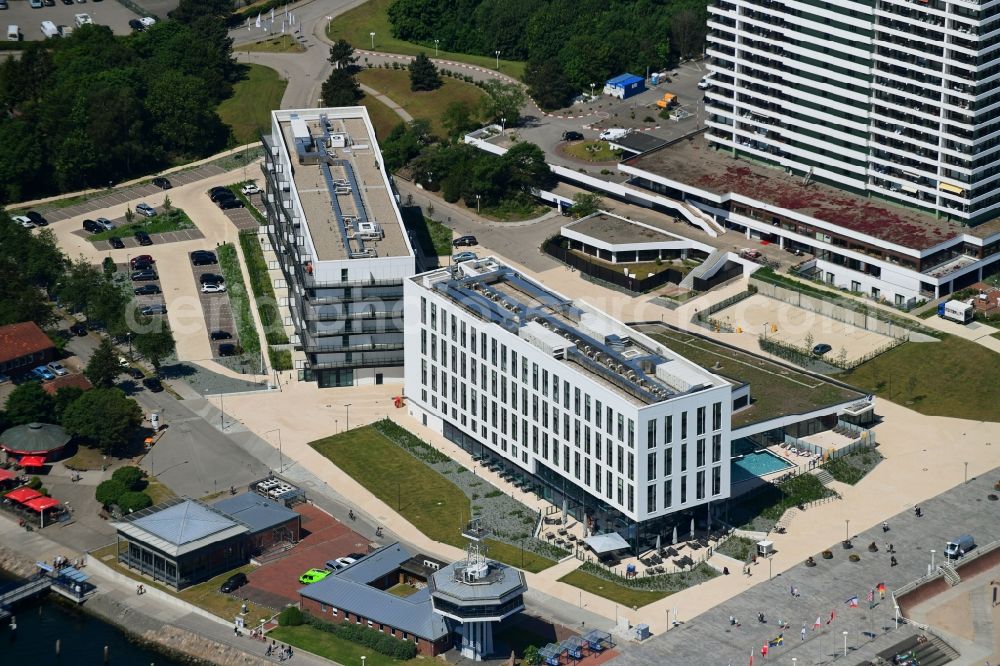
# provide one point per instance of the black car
(225, 193)
(159, 181)
(227, 349)
(143, 238)
(142, 265)
(134, 373)
(136, 25)
(67, 2)
(116, 242)
(153, 384)
(465, 241)
(572, 136)
(218, 188)
(92, 226)
(221, 335)
(203, 258)
(226, 204)
(821, 349)
(78, 330)
(211, 278)
(146, 290)
(37, 218)
(143, 275)
(234, 582)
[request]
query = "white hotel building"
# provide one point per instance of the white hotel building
(594, 414)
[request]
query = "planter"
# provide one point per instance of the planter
(872, 548)
(991, 497)
(847, 544)
(811, 562)
(854, 557)
(827, 555)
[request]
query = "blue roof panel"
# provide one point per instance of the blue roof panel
(184, 522)
(256, 512)
(624, 80)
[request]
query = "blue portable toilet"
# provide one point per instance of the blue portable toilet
(625, 86)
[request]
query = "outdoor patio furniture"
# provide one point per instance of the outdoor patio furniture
(550, 535)
(562, 531)
(660, 570)
(571, 537)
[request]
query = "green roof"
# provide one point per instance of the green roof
(34, 437)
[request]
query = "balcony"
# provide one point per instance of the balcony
(949, 265)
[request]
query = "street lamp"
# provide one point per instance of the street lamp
(966, 472)
(847, 531)
(348, 421)
(592, 90)
(932, 560)
(478, 197)
(373, 40)
(363, 660)
(498, 60)
(436, 41)
(845, 643)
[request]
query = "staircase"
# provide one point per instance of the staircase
(786, 519)
(713, 263)
(932, 652)
(706, 222)
(943, 649)
(950, 574)
(822, 475)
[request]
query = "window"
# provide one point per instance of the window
(631, 498)
(684, 490)
(699, 489)
(434, 316)
(621, 459)
(716, 481)
(717, 416)
(631, 465)
(651, 433)
(621, 428)
(650, 498)
(668, 429)
(586, 407)
(684, 425)
(700, 421)
(700, 453)
(651, 465)
(621, 491)
(534, 376)
(668, 494)
(684, 458)
(668, 463)
(631, 434)
(423, 310)
(716, 448)
(434, 345)
(597, 413)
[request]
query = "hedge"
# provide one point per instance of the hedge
(362, 635)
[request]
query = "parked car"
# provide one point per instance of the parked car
(143, 238)
(224, 193)
(153, 384)
(821, 348)
(234, 582)
(37, 218)
(155, 309)
(227, 204)
(135, 24)
(79, 330)
(572, 136)
(227, 349)
(134, 373)
(105, 224)
(92, 226)
(147, 289)
(142, 266)
(142, 258)
(144, 275)
(465, 241)
(58, 368)
(221, 335)
(218, 188)
(250, 188)
(212, 288)
(464, 256)
(346, 561)
(159, 181)
(211, 278)
(145, 209)
(313, 576)
(43, 373)
(116, 242)
(24, 221)
(705, 83)
(959, 546)
(203, 258)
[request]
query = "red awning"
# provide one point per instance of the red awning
(33, 461)
(23, 494)
(6, 475)
(39, 504)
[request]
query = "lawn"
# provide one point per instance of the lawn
(401, 590)
(946, 378)
(239, 300)
(515, 556)
(357, 25)
(325, 644)
(383, 118)
(760, 510)
(854, 466)
(640, 268)
(173, 220)
(433, 237)
(592, 151)
(280, 44)
(157, 491)
(774, 390)
(260, 282)
(425, 105)
(86, 458)
(248, 111)
(620, 594)
(434, 505)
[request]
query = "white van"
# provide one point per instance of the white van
(83, 19)
(49, 29)
(959, 546)
(13, 33)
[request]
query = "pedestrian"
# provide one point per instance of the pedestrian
(892, 561)
(763, 650)
(885, 526)
(802, 634)
(236, 630)
(137, 588)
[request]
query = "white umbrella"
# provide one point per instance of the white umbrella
(674, 542)
(692, 529)
(565, 511)
(657, 543)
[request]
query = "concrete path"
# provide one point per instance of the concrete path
(400, 111)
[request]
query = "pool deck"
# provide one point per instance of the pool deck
(786, 465)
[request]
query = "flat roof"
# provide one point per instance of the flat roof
(692, 162)
(180, 526)
(256, 512)
(355, 191)
(618, 231)
(612, 355)
(639, 142)
(775, 390)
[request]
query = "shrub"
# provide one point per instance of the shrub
(35, 483)
(291, 616)
(130, 477)
(108, 492)
(854, 557)
(134, 501)
(827, 555)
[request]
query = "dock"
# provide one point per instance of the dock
(66, 581)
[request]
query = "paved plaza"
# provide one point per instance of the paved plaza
(825, 589)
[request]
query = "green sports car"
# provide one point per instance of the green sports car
(313, 576)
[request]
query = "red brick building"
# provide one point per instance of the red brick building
(24, 346)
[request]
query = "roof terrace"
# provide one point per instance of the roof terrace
(349, 211)
(692, 162)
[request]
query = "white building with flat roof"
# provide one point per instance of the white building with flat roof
(334, 223)
(625, 433)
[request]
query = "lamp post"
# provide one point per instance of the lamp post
(347, 425)
(363, 657)
(847, 530)
(845, 643)
(498, 60)
(478, 197)
(592, 90)
(373, 48)
(966, 472)
(436, 41)
(503, 124)
(932, 560)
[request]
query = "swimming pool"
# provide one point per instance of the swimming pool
(754, 464)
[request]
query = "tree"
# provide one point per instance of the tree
(155, 345)
(105, 417)
(548, 84)
(130, 476)
(134, 501)
(103, 368)
(586, 203)
(687, 32)
(29, 403)
(809, 340)
(341, 89)
(189, 11)
(458, 118)
(503, 102)
(531, 656)
(527, 167)
(64, 397)
(108, 492)
(423, 74)
(342, 55)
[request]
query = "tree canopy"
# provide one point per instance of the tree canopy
(341, 89)
(423, 74)
(104, 417)
(29, 403)
(30, 264)
(103, 368)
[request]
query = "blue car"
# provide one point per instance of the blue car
(464, 256)
(43, 373)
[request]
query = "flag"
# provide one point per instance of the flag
(258, 21)
(272, 14)
(833, 616)
(871, 595)
(248, 23)
(852, 602)
(817, 623)
(751, 657)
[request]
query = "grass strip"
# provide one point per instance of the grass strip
(229, 262)
(260, 282)
(173, 220)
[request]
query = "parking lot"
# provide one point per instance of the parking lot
(276, 584)
(217, 308)
(104, 12)
(142, 300)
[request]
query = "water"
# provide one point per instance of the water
(756, 464)
(41, 621)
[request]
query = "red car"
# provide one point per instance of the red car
(141, 259)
